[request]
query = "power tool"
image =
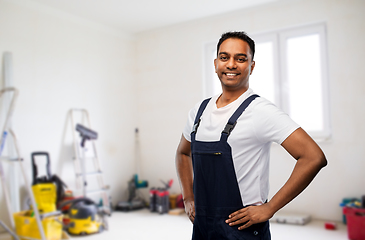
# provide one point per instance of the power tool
(134, 202)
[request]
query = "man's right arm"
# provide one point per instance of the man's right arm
(184, 170)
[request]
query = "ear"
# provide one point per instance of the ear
(215, 65)
(252, 66)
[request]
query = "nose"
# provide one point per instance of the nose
(231, 64)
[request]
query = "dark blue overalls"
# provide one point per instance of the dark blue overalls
(216, 191)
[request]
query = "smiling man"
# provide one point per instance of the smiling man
(223, 156)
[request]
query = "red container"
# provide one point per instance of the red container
(355, 218)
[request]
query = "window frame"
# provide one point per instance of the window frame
(208, 77)
(319, 29)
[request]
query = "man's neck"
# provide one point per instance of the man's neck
(228, 96)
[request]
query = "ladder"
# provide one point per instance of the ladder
(84, 158)
(5, 131)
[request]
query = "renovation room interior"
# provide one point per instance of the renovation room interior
(142, 64)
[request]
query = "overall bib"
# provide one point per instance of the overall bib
(216, 191)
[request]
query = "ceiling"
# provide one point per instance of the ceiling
(135, 16)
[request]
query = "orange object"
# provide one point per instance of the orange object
(68, 196)
(172, 199)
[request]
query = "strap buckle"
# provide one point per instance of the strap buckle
(228, 128)
(195, 127)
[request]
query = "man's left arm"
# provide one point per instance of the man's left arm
(310, 160)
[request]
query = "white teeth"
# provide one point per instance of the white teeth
(231, 74)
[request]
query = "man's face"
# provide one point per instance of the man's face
(234, 64)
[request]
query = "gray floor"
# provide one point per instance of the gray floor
(142, 224)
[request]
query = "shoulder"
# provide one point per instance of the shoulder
(191, 118)
(270, 122)
(207, 102)
(263, 106)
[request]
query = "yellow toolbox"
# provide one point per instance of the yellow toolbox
(26, 226)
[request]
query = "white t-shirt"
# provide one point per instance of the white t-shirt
(259, 125)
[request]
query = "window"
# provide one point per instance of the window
(290, 71)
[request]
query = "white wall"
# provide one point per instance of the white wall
(169, 78)
(152, 79)
(61, 62)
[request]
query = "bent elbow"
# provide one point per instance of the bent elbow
(321, 160)
(324, 161)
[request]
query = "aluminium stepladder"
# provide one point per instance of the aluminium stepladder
(5, 131)
(81, 159)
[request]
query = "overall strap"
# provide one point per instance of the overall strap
(233, 120)
(202, 107)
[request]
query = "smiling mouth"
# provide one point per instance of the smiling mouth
(231, 74)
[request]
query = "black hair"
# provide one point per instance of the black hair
(240, 35)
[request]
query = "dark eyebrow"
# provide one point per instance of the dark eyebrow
(237, 55)
(241, 54)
